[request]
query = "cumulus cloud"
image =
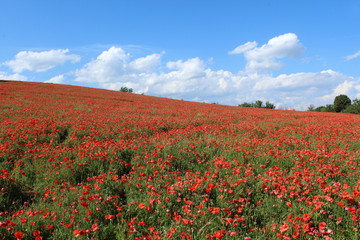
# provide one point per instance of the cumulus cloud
(350, 57)
(57, 79)
(265, 57)
(40, 61)
(109, 66)
(114, 68)
(146, 64)
(192, 79)
(192, 68)
(16, 76)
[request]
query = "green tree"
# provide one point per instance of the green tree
(352, 109)
(320, 109)
(341, 102)
(356, 102)
(329, 108)
(246, 104)
(269, 105)
(125, 89)
(258, 104)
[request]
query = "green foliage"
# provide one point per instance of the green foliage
(258, 104)
(352, 109)
(320, 109)
(341, 102)
(269, 105)
(246, 104)
(327, 108)
(356, 102)
(125, 89)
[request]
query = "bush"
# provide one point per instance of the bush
(352, 109)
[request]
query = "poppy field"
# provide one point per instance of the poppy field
(85, 163)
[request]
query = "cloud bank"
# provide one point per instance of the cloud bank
(192, 79)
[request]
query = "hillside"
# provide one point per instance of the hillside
(87, 163)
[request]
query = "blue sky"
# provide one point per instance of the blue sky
(292, 53)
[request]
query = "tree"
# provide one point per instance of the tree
(341, 102)
(320, 109)
(125, 89)
(258, 104)
(329, 108)
(311, 107)
(269, 105)
(352, 109)
(246, 104)
(356, 102)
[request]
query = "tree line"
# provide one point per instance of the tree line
(258, 104)
(125, 89)
(342, 103)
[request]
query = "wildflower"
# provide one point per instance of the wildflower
(284, 227)
(79, 233)
(322, 225)
(18, 235)
(110, 217)
(95, 227)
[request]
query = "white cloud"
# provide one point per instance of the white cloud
(146, 63)
(113, 69)
(192, 68)
(244, 48)
(347, 87)
(40, 61)
(193, 79)
(302, 89)
(57, 79)
(350, 57)
(298, 81)
(265, 57)
(109, 66)
(16, 76)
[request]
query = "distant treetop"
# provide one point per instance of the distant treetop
(125, 89)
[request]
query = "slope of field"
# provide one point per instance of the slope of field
(95, 164)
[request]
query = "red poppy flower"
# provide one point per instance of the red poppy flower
(18, 235)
